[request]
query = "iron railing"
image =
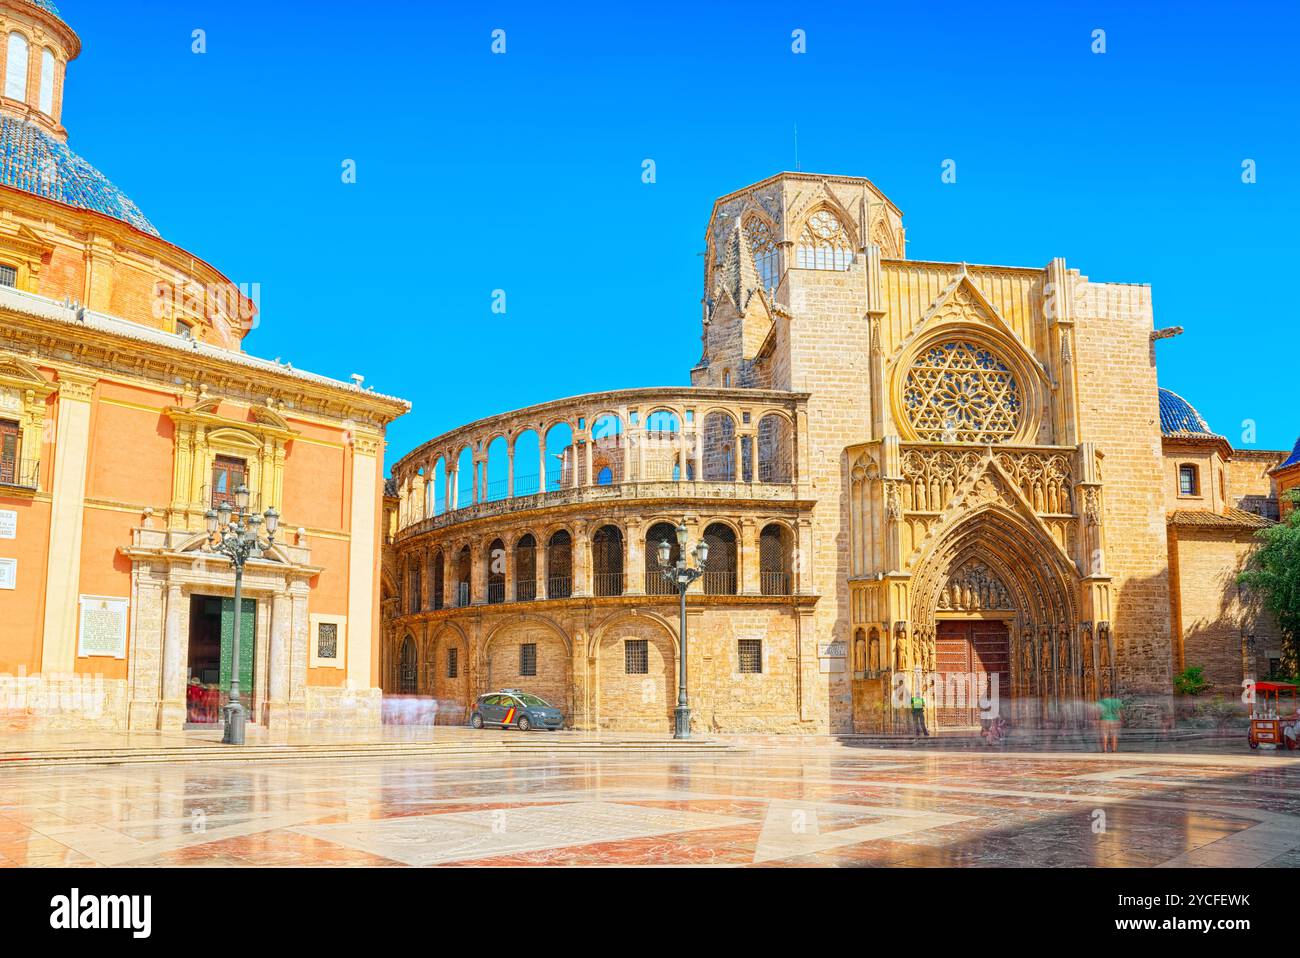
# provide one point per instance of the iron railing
(525, 590)
(774, 583)
(496, 592)
(21, 473)
(656, 583)
(607, 583)
(720, 582)
(462, 594)
(559, 587)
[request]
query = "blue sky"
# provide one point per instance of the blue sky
(522, 172)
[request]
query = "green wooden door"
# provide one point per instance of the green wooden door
(247, 637)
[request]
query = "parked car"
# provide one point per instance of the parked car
(511, 707)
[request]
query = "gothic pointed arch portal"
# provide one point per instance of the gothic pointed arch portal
(996, 565)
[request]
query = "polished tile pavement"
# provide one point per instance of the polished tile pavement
(765, 805)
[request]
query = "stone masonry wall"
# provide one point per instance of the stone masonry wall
(1118, 410)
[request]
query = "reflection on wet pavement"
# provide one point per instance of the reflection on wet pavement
(764, 806)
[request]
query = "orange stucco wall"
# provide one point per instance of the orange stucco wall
(106, 572)
(21, 610)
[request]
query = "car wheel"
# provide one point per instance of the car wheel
(476, 720)
(524, 724)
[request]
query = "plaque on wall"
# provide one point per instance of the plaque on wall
(103, 626)
(8, 574)
(8, 524)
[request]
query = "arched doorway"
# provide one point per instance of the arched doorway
(408, 668)
(997, 600)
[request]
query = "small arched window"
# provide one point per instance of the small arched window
(605, 477)
(824, 244)
(16, 68)
(47, 81)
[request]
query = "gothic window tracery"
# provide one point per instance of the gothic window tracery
(763, 246)
(959, 391)
(824, 244)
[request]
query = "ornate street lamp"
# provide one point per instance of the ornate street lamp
(239, 538)
(682, 575)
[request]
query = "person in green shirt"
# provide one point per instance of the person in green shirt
(918, 713)
(1111, 710)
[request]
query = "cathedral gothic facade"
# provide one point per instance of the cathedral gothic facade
(907, 472)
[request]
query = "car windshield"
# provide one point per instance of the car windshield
(533, 702)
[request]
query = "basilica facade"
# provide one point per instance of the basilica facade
(911, 474)
(129, 409)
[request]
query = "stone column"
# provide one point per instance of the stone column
(171, 711)
(802, 565)
(629, 432)
(582, 559)
(541, 463)
(278, 678)
(477, 574)
(510, 470)
(539, 567)
(636, 558)
(63, 564)
(363, 561)
(749, 564)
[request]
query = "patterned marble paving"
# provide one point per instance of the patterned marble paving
(761, 807)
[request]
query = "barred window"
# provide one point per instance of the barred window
(453, 663)
(636, 657)
(750, 654)
(528, 658)
(8, 276)
(327, 640)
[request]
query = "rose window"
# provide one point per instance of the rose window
(961, 392)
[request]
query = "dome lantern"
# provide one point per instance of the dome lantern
(35, 50)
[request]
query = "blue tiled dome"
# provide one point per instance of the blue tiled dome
(1294, 458)
(1179, 418)
(32, 160)
(47, 6)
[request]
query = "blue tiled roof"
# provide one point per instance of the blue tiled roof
(1294, 458)
(32, 160)
(47, 6)
(1179, 418)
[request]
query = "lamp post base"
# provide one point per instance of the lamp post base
(682, 727)
(234, 734)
